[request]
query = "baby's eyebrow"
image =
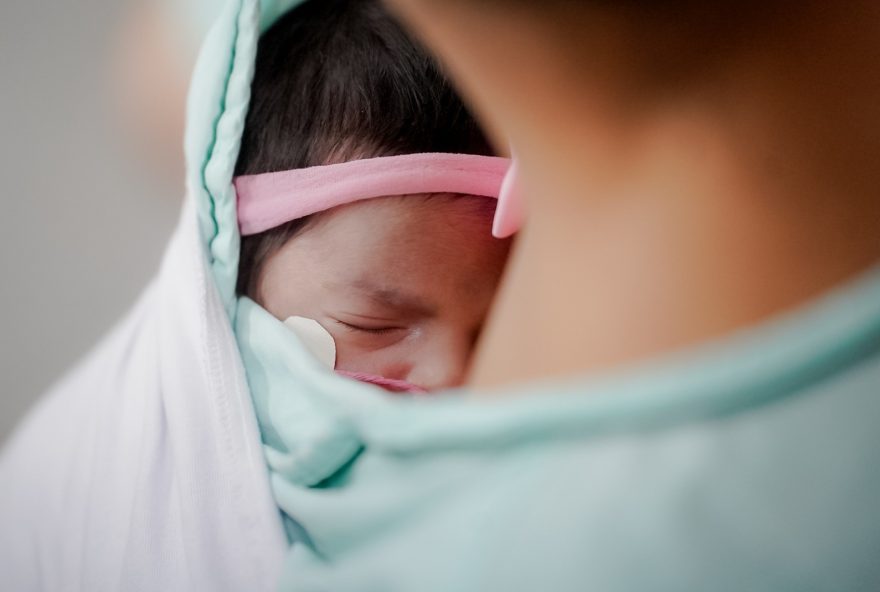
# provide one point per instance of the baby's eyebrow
(395, 298)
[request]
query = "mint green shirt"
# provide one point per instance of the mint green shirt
(750, 463)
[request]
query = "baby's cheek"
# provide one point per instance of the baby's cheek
(389, 362)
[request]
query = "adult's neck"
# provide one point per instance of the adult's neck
(713, 213)
(672, 260)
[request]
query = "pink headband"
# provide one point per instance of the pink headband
(270, 199)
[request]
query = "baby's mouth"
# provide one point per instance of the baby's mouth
(389, 384)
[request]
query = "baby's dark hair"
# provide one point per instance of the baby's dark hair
(340, 80)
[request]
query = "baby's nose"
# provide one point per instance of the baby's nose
(442, 365)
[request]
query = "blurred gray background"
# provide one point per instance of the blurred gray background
(86, 211)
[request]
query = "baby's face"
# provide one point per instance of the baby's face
(403, 284)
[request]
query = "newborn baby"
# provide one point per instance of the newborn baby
(366, 197)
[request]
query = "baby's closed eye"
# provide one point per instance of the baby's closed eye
(369, 333)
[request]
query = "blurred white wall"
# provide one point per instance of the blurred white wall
(83, 221)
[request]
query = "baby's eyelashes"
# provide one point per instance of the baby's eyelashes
(376, 330)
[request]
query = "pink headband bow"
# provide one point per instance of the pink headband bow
(270, 199)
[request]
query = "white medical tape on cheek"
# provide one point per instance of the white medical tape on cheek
(315, 338)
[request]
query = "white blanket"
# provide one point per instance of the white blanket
(143, 469)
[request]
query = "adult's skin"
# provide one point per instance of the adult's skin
(152, 63)
(686, 172)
